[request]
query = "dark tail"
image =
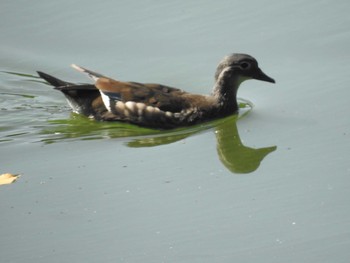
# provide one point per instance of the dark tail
(83, 98)
(64, 86)
(52, 80)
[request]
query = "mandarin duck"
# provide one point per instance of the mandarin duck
(156, 105)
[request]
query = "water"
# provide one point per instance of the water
(270, 185)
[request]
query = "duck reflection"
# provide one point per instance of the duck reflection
(233, 154)
(237, 157)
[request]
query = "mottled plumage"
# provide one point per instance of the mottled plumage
(155, 105)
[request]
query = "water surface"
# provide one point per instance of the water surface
(269, 185)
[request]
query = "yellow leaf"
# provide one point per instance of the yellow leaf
(8, 178)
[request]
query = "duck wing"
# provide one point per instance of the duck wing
(156, 95)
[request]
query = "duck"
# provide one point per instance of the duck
(156, 105)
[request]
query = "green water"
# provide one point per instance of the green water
(268, 185)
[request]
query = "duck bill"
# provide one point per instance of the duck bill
(259, 75)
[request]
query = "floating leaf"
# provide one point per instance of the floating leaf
(8, 178)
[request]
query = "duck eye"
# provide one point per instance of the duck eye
(245, 65)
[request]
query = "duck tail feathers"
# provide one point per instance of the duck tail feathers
(53, 80)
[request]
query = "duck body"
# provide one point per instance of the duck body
(156, 105)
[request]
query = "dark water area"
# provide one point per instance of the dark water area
(268, 185)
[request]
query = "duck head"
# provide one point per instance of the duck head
(230, 73)
(241, 66)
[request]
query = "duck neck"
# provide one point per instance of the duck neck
(225, 92)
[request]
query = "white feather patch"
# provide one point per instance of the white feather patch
(140, 108)
(131, 105)
(106, 101)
